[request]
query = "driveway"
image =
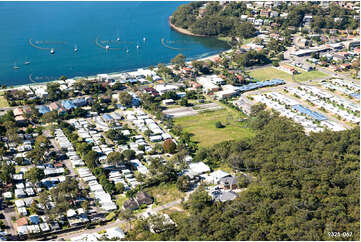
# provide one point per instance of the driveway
(9, 213)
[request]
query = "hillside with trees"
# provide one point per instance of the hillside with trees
(215, 19)
(304, 187)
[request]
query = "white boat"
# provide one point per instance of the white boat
(137, 46)
(52, 51)
(118, 39)
(107, 47)
(127, 50)
(27, 62)
(76, 49)
(15, 66)
(144, 39)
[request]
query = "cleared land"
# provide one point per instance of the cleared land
(203, 126)
(164, 193)
(268, 73)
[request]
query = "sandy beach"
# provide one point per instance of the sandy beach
(181, 30)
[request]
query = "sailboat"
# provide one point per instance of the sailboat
(76, 48)
(15, 66)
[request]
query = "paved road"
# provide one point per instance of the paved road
(9, 213)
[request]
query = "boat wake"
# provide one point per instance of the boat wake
(107, 47)
(36, 46)
(162, 41)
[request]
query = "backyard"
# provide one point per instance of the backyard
(203, 126)
(268, 73)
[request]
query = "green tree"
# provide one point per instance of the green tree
(115, 158)
(6, 172)
(169, 146)
(127, 215)
(125, 98)
(179, 60)
(119, 187)
(183, 183)
(34, 174)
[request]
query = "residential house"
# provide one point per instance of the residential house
(143, 198)
(228, 182)
(130, 204)
(43, 109)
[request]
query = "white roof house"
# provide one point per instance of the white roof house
(44, 227)
(7, 195)
(165, 88)
(23, 211)
(216, 176)
(70, 213)
(19, 193)
(19, 203)
(116, 232)
(197, 169)
(22, 230)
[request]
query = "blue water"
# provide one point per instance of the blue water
(64, 25)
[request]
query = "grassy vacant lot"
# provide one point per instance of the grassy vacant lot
(203, 126)
(164, 193)
(268, 73)
(3, 102)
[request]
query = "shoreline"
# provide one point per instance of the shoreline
(183, 31)
(32, 84)
(180, 30)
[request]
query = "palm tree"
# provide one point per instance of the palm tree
(127, 215)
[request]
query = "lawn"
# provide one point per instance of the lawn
(203, 126)
(164, 193)
(268, 73)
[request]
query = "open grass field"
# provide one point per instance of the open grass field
(164, 193)
(268, 73)
(3, 102)
(203, 126)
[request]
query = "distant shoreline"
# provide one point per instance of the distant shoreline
(110, 73)
(183, 31)
(180, 30)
